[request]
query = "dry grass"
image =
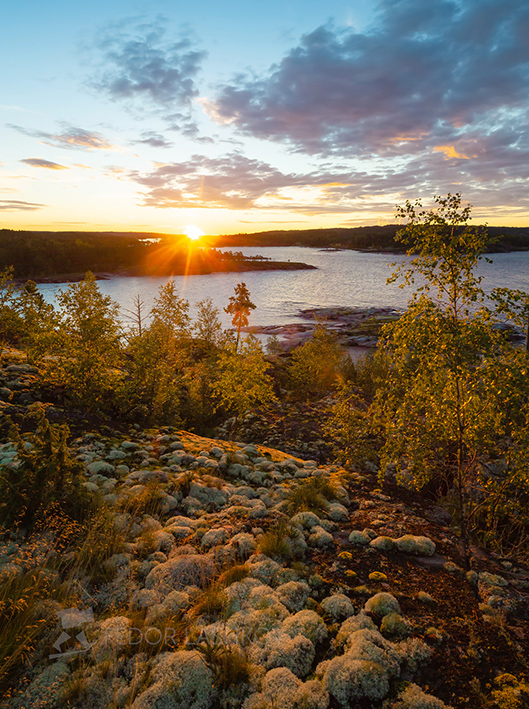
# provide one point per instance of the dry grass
(274, 543)
(148, 502)
(22, 621)
(238, 572)
(229, 664)
(311, 495)
(167, 633)
(212, 602)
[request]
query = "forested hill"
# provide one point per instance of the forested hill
(373, 238)
(35, 254)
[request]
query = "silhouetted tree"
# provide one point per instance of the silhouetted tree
(239, 308)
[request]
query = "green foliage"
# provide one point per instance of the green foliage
(10, 321)
(170, 313)
(239, 308)
(319, 364)
(274, 346)
(448, 250)
(35, 254)
(198, 409)
(152, 388)
(453, 399)
(514, 304)
(85, 345)
(43, 473)
(349, 426)
(38, 318)
(24, 315)
(242, 379)
(208, 329)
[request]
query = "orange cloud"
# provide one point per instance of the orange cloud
(407, 137)
(450, 152)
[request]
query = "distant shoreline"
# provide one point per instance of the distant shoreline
(229, 267)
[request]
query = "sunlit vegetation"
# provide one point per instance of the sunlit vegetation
(439, 409)
(318, 365)
(448, 409)
(311, 495)
(239, 308)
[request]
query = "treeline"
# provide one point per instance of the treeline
(41, 255)
(372, 238)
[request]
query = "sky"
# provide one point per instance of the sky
(246, 116)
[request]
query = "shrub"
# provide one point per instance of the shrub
(311, 495)
(212, 602)
(181, 571)
(338, 606)
(42, 474)
(181, 679)
(238, 572)
(282, 541)
(510, 692)
(420, 546)
(148, 502)
(85, 345)
(319, 364)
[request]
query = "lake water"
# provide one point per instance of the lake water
(343, 278)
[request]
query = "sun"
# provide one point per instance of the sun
(193, 232)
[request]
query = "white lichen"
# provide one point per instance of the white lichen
(180, 679)
(381, 604)
(306, 623)
(338, 606)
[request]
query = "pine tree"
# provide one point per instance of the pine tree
(239, 308)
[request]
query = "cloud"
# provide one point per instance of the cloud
(139, 65)
(154, 140)
(495, 173)
(16, 205)
(237, 182)
(424, 75)
(39, 162)
(71, 138)
(233, 181)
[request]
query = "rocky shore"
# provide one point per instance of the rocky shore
(354, 326)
